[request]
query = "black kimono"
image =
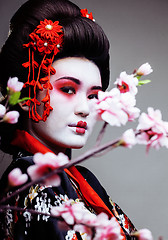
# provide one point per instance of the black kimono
(17, 225)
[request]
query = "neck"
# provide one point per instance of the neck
(53, 147)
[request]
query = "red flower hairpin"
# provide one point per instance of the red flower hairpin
(47, 40)
(84, 13)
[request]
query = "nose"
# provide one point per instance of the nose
(82, 107)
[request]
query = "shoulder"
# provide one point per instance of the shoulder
(95, 184)
(22, 162)
(88, 175)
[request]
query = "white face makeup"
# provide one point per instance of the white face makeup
(75, 88)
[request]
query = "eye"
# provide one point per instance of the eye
(92, 96)
(68, 90)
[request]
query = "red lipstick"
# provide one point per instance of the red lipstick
(81, 127)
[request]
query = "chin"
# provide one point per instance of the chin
(73, 145)
(77, 147)
(71, 141)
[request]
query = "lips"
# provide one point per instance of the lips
(80, 127)
(82, 124)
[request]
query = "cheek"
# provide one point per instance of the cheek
(62, 105)
(64, 101)
(58, 97)
(92, 124)
(92, 119)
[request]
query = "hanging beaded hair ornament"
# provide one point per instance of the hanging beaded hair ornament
(47, 40)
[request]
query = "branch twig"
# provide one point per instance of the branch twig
(101, 134)
(77, 160)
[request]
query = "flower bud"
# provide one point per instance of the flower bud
(14, 85)
(2, 110)
(129, 139)
(145, 234)
(144, 69)
(11, 117)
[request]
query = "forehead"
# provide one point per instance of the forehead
(80, 68)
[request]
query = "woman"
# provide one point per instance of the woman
(62, 56)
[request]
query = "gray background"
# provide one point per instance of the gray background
(138, 33)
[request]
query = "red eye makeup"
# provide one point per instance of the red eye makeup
(66, 86)
(93, 94)
(70, 85)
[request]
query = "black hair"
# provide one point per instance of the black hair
(82, 38)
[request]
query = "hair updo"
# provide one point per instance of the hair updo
(82, 38)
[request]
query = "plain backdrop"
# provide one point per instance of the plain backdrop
(138, 33)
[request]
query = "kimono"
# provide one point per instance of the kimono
(77, 183)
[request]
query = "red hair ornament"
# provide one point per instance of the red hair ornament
(47, 40)
(84, 13)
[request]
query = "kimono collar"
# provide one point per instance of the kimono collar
(24, 140)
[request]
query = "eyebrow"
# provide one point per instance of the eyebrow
(70, 78)
(77, 81)
(96, 88)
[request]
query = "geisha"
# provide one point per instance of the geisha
(62, 56)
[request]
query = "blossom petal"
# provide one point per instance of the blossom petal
(46, 163)
(11, 117)
(2, 110)
(144, 69)
(129, 139)
(14, 85)
(16, 178)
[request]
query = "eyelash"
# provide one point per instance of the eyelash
(93, 96)
(66, 90)
(72, 90)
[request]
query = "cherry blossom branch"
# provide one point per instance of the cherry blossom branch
(101, 134)
(88, 154)
(93, 151)
(116, 107)
(14, 88)
(73, 215)
(127, 140)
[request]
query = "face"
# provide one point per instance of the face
(75, 89)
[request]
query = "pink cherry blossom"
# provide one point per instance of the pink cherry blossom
(153, 120)
(14, 85)
(101, 219)
(127, 83)
(2, 110)
(11, 117)
(75, 214)
(144, 69)
(85, 231)
(153, 130)
(128, 102)
(109, 108)
(45, 163)
(108, 230)
(116, 108)
(145, 234)
(89, 219)
(72, 212)
(129, 139)
(16, 178)
(103, 227)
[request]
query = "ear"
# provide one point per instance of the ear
(24, 107)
